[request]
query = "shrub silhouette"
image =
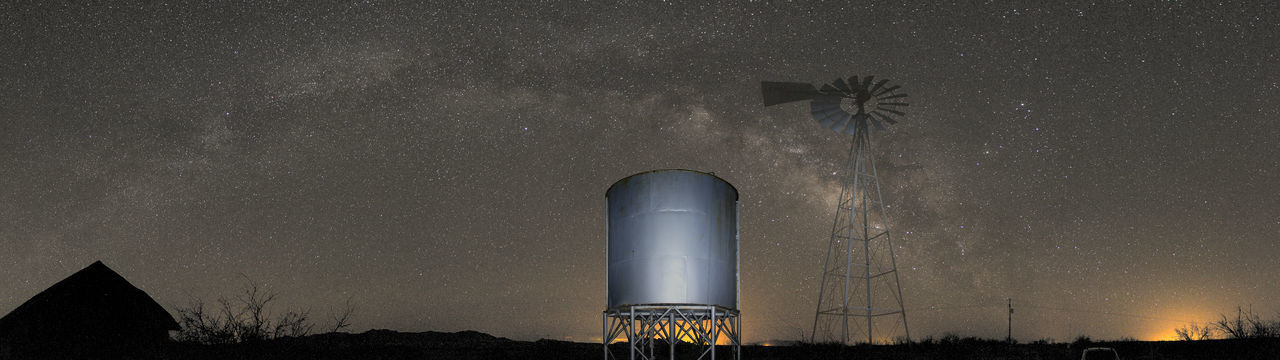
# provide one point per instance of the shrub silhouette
(246, 317)
(1247, 325)
(1194, 332)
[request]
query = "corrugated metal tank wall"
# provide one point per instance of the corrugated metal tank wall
(672, 239)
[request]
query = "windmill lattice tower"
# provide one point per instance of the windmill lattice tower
(860, 284)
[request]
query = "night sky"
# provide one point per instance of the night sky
(1112, 168)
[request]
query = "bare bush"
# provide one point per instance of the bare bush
(1233, 328)
(1263, 328)
(901, 340)
(1247, 325)
(343, 319)
(247, 317)
(1194, 332)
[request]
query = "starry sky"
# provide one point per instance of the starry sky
(1112, 168)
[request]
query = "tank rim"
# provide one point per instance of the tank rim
(711, 174)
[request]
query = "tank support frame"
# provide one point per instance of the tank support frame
(642, 326)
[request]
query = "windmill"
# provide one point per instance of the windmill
(857, 281)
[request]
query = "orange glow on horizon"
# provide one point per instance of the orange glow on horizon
(1164, 329)
(1162, 334)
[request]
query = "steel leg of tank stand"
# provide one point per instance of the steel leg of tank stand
(737, 330)
(631, 333)
(651, 335)
(671, 334)
(715, 333)
(605, 323)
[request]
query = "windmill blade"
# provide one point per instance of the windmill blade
(826, 110)
(866, 83)
(835, 120)
(884, 117)
(827, 123)
(848, 126)
(888, 89)
(840, 84)
(902, 95)
(877, 124)
(821, 109)
(858, 121)
(821, 112)
(892, 104)
(896, 112)
(879, 84)
(775, 92)
(853, 80)
(828, 90)
(823, 106)
(826, 100)
(851, 129)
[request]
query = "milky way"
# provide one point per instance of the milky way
(1112, 169)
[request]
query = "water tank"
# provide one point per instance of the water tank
(672, 239)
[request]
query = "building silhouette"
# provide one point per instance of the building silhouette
(93, 312)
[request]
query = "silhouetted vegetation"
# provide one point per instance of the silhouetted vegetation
(1194, 332)
(1247, 325)
(387, 344)
(247, 317)
(1244, 325)
(951, 346)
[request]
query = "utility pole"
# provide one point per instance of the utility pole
(1009, 338)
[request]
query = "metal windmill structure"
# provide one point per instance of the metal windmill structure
(860, 272)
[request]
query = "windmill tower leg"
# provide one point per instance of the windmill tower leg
(829, 282)
(860, 220)
(851, 106)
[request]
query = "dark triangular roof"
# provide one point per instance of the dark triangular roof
(93, 299)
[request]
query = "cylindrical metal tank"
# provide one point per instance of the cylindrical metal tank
(672, 239)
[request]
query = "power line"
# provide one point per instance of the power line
(1110, 313)
(953, 307)
(1008, 304)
